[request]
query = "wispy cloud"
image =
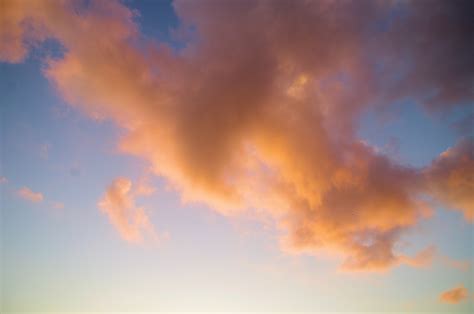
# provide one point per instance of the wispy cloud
(144, 187)
(462, 265)
(27, 194)
(131, 221)
(57, 205)
(3, 180)
(265, 118)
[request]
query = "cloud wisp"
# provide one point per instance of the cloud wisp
(258, 113)
(131, 221)
(27, 194)
(455, 295)
(57, 205)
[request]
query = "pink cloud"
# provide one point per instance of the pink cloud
(262, 120)
(450, 178)
(144, 187)
(455, 295)
(27, 194)
(129, 220)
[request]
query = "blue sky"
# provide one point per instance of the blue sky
(72, 258)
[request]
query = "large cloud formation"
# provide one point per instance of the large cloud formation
(258, 112)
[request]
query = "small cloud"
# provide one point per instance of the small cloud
(131, 221)
(455, 295)
(3, 180)
(57, 205)
(27, 194)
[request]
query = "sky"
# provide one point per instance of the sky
(236, 156)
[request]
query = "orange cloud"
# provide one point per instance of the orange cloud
(12, 34)
(451, 180)
(262, 120)
(130, 221)
(454, 295)
(422, 259)
(143, 187)
(27, 194)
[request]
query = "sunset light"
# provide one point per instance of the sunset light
(237, 156)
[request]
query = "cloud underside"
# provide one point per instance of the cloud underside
(258, 113)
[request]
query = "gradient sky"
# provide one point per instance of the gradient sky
(236, 156)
